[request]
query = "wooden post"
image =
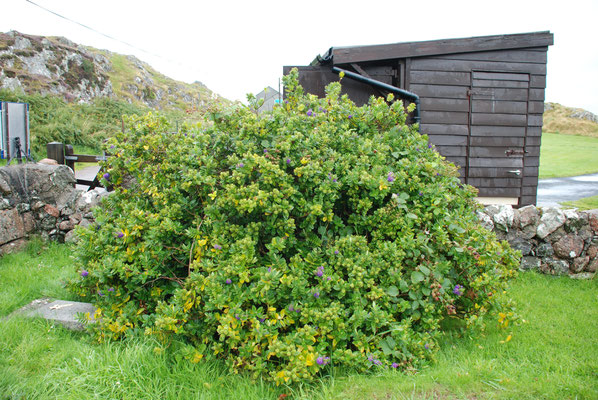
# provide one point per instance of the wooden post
(69, 151)
(55, 151)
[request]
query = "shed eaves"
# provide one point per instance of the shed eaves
(353, 54)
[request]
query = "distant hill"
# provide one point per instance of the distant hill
(78, 95)
(569, 121)
(57, 66)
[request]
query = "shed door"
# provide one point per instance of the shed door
(497, 131)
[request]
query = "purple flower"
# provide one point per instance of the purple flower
(316, 295)
(291, 308)
(421, 193)
(240, 165)
(84, 273)
(120, 235)
(350, 116)
(262, 319)
(458, 290)
(320, 271)
(374, 361)
(334, 180)
(429, 146)
(111, 289)
(112, 147)
(265, 150)
(217, 247)
(310, 113)
(288, 160)
(426, 346)
(395, 365)
(237, 316)
(269, 269)
(437, 173)
(390, 177)
(322, 360)
(100, 293)
(106, 176)
(228, 281)
(328, 278)
(335, 251)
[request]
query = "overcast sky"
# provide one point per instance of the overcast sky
(236, 47)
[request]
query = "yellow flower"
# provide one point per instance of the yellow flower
(507, 339)
(281, 375)
(196, 357)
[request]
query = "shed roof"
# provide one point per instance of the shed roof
(352, 54)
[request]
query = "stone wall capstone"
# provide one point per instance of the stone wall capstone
(37, 198)
(551, 240)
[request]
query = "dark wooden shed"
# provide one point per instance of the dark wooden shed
(481, 101)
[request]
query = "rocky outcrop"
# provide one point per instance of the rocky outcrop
(53, 66)
(551, 240)
(57, 66)
(41, 199)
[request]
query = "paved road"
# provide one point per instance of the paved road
(554, 190)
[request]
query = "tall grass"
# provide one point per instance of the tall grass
(51, 119)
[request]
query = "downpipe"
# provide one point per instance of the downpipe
(381, 85)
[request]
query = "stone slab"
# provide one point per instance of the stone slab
(58, 311)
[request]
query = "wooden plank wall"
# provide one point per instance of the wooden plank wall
(443, 84)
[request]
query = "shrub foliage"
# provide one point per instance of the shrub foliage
(318, 234)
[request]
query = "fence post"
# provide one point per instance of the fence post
(69, 151)
(55, 151)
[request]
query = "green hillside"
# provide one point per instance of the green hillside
(78, 94)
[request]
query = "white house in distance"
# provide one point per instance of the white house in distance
(271, 97)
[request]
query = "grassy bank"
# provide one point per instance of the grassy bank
(558, 118)
(554, 355)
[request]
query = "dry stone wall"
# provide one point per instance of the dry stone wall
(37, 198)
(551, 240)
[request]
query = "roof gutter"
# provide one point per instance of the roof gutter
(381, 85)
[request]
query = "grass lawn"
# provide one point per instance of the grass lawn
(567, 155)
(554, 355)
(587, 203)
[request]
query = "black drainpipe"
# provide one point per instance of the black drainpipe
(400, 92)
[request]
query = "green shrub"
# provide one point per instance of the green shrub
(318, 234)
